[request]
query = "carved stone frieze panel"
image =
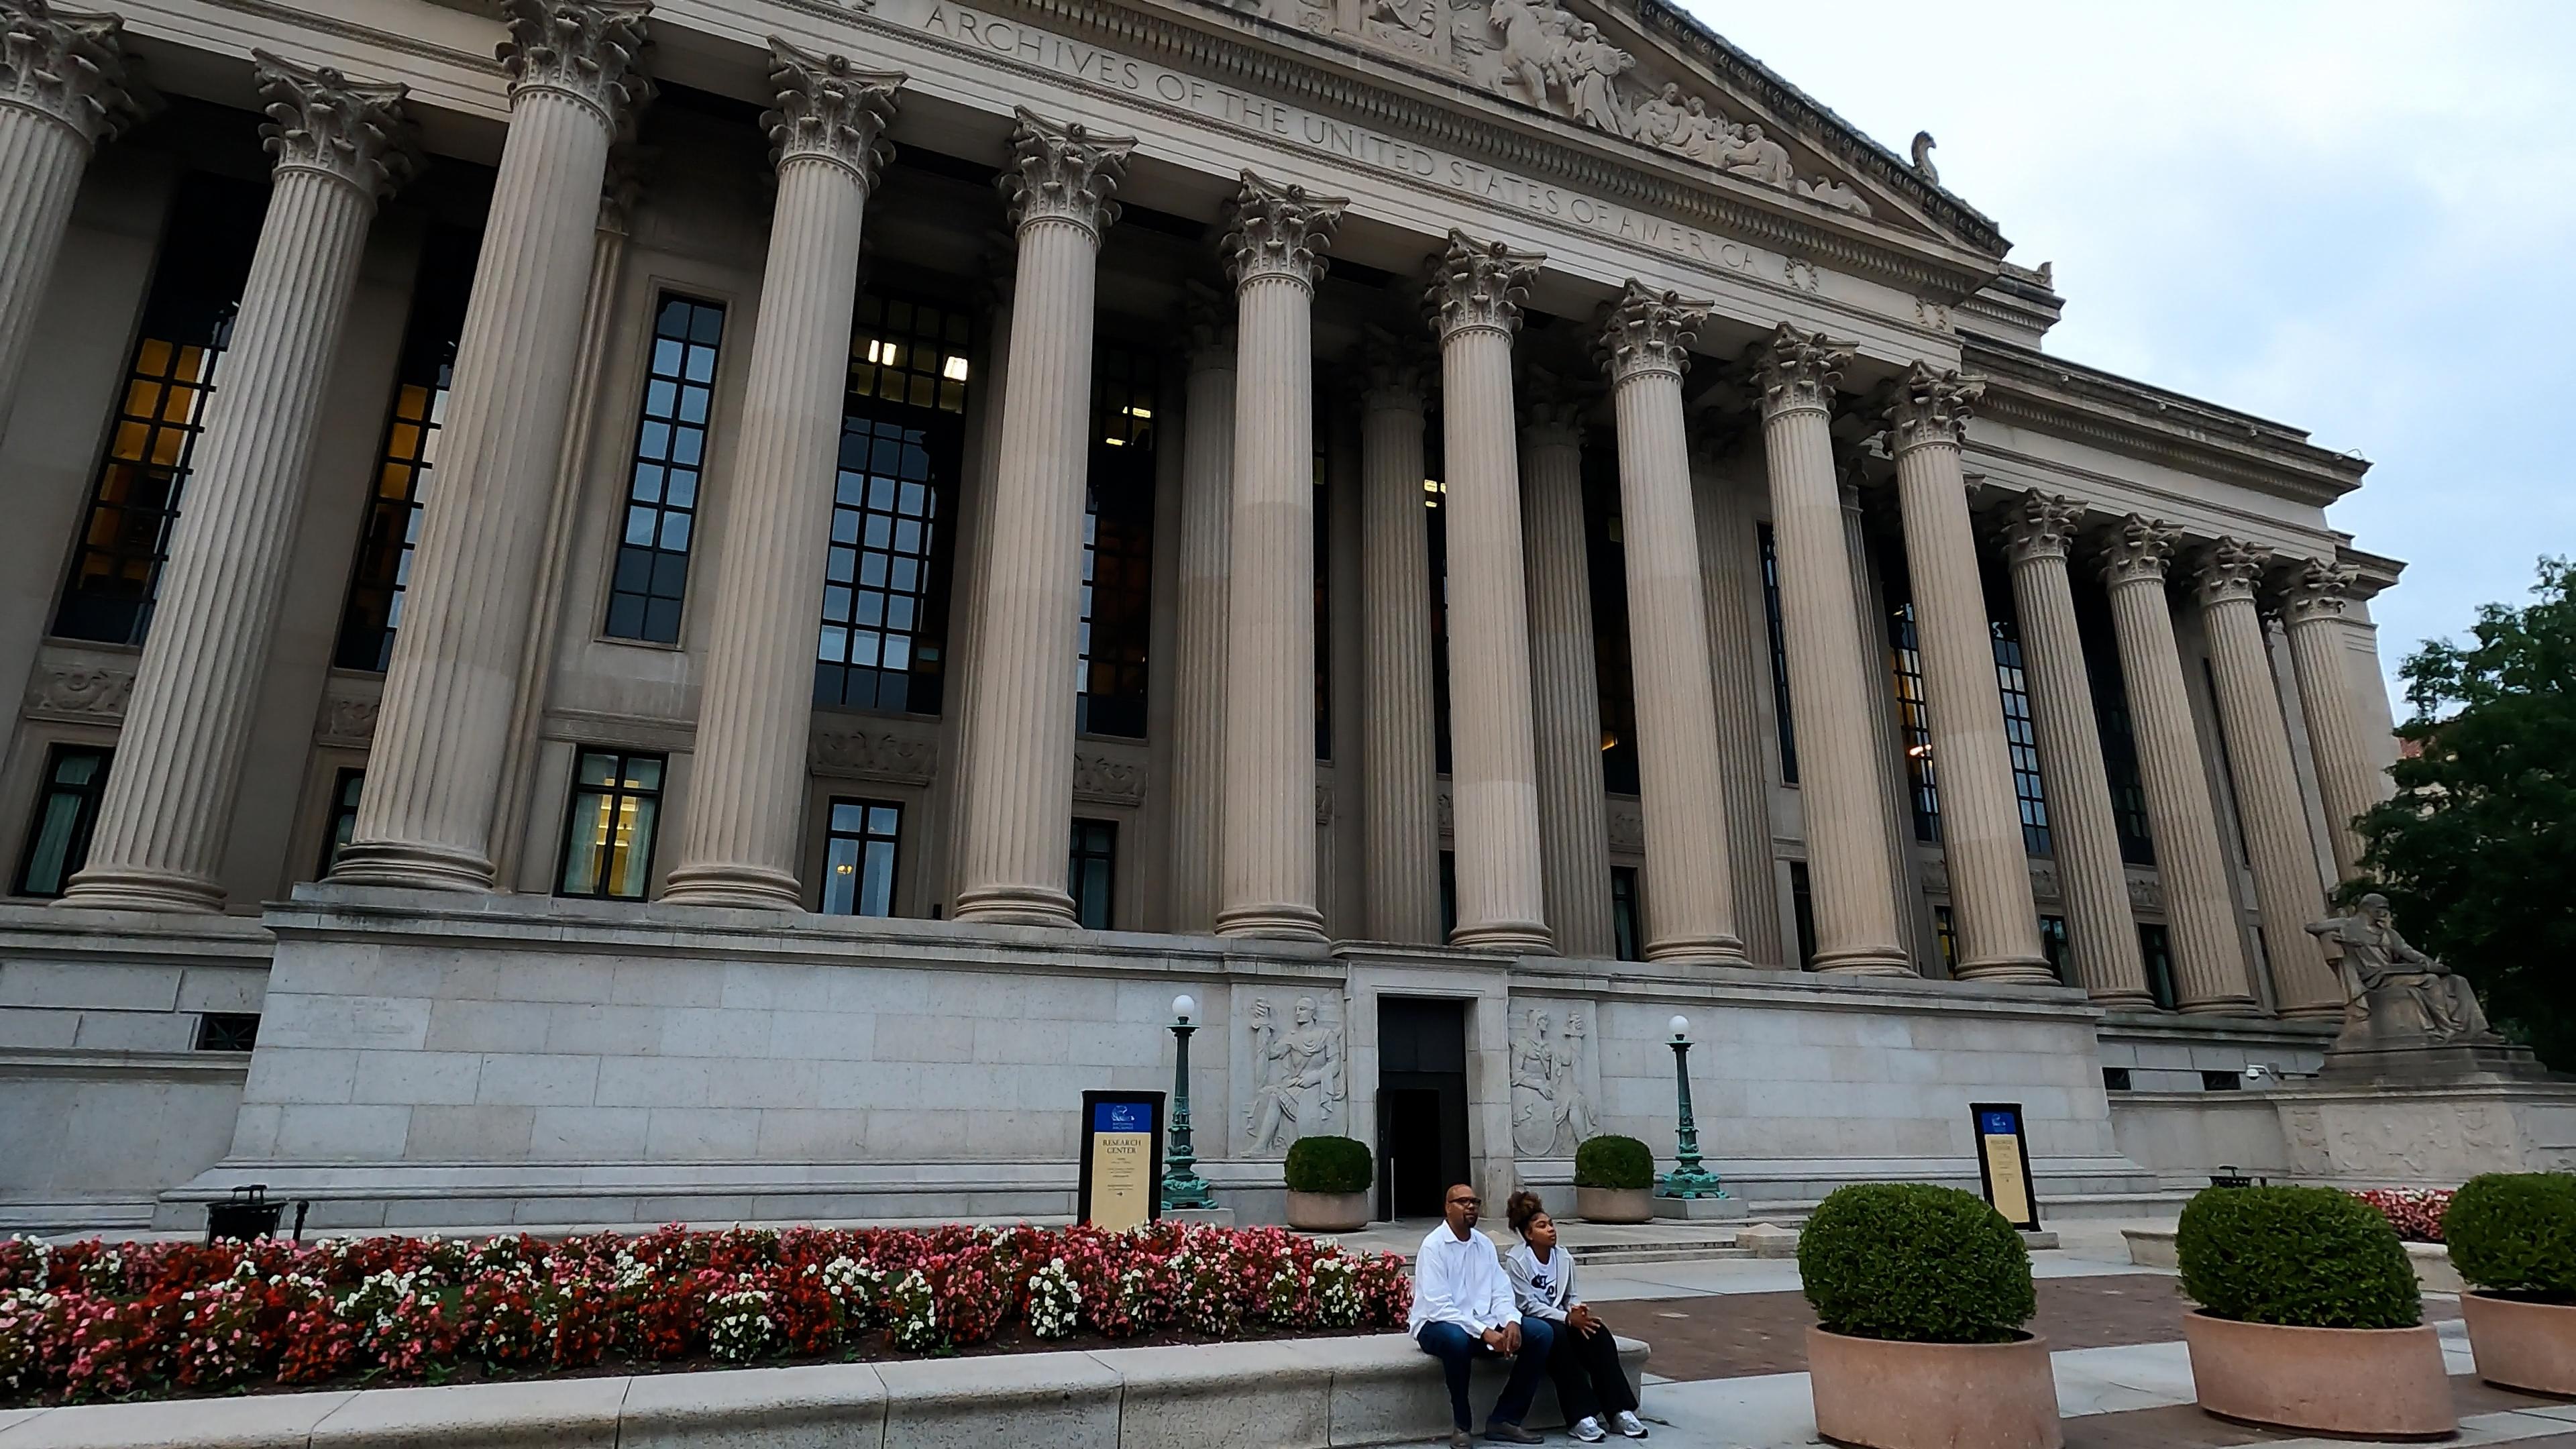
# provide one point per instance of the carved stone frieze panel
(79, 691)
(1298, 1082)
(1108, 779)
(860, 751)
(347, 718)
(1555, 1078)
(1627, 825)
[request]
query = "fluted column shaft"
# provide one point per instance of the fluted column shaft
(2208, 947)
(741, 839)
(1829, 676)
(62, 92)
(1198, 696)
(1400, 808)
(2347, 777)
(442, 728)
(159, 840)
(1565, 687)
(1739, 650)
(1474, 299)
(1993, 914)
(2100, 932)
(1019, 782)
(2286, 884)
(1275, 254)
(1643, 347)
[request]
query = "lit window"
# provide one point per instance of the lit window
(608, 831)
(859, 858)
(652, 576)
(58, 838)
(1627, 922)
(2021, 739)
(345, 789)
(1117, 548)
(1094, 874)
(1945, 927)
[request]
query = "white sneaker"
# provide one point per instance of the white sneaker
(1588, 1429)
(1628, 1424)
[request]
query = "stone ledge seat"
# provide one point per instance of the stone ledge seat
(1307, 1393)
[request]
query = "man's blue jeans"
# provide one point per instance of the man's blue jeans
(1455, 1347)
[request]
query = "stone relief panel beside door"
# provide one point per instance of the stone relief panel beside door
(1555, 1079)
(1297, 1073)
(1541, 54)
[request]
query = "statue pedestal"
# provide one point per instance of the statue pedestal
(2356, 1058)
(2353, 1130)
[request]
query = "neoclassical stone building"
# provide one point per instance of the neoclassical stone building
(705, 609)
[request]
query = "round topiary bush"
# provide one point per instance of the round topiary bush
(1329, 1165)
(2304, 1257)
(1915, 1263)
(2515, 1232)
(1613, 1162)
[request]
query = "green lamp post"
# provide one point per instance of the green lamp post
(1687, 1179)
(1182, 1185)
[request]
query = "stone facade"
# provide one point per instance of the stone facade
(1699, 388)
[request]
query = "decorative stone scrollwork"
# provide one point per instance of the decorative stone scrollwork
(2319, 590)
(69, 67)
(1840, 195)
(1549, 413)
(1207, 322)
(1300, 1084)
(1930, 405)
(830, 111)
(864, 754)
(1625, 825)
(2041, 525)
(81, 692)
(1108, 780)
(1647, 331)
(2044, 884)
(1393, 369)
(589, 50)
(1063, 172)
(2232, 569)
(348, 720)
(1800, 275)
(1445, 808)
(1478, 284)
(2146, 893)
(1795, 369)
(2139, 550)
(1551, 1113)
(321, 121)
(1323, 803)
(1279, 229)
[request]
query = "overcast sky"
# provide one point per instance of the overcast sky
(2353, 217)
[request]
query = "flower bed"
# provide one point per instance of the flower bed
(2416, 1212)
(90, 1320)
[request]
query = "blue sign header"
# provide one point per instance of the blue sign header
(1122, 1116)
(1999, 1123)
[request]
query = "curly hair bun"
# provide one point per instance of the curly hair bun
(1521, 1209)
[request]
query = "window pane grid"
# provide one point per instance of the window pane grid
(2021, 740)
(2052, 944)
(345, 789)
(67, 807)
(652, 574)
(861, 852)
(1914, 723)
(1779, 654)
(1094, 876)
(609, 829)
(1117, 547)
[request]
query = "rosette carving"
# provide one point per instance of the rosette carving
(1478, 284)
(321, 121)
(1647, 331)
(830, 111)
(1063, 172)
(1279, 229)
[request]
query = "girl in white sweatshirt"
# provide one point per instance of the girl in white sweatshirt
(1585, 1360)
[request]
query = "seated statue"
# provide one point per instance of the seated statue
(2394, 992)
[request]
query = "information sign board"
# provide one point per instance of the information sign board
(2003, 1161)
(1122, 1159)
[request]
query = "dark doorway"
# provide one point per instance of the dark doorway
(1421, 1104)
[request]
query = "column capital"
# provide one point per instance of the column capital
(1063, 172)
(830, 111)
(2139, 550)
(591, 51)
(1716, 431)
(1929, 405)
(1207, 327)
(1478, 284)
(69, 67)
(1279, 229)
(1646, 331)
(1550, 412)
(2232, 569)
(323, 122)
(621, 186)
(1395, 373)
(2319, 589)
(2041, 525)
(1794, 369)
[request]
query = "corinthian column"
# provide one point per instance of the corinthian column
(1981, 836)
(2349, 780)
(2039, 532)
(443, 727)
(742, 836)
(1739, 650)
(63, 91)
(1399, 748)
(1019, 782)
(1274, 248)
(1198, 695)
(1565, 689)
(1474, 303)
(2200, 915)
(2267, 780)
(1829, 676)
(159, 841)
(1644, 346)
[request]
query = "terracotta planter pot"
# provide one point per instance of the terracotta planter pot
(2369, 1383)
(1615, 1204)
(1886, 1395)
(1328, 1212)
(2521, 1344)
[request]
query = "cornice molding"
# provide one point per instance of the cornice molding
(298, 18)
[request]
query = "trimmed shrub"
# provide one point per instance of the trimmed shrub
(2305, 1257)
(2515, 1232)
(1329, 1164)
(1915, 1263)
(1613, 1162)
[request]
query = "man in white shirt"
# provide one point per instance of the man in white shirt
(1463, 1308)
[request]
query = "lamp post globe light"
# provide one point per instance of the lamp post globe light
(1183, 1188)
(1687, 1179)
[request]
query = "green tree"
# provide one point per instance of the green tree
(2477, 849)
